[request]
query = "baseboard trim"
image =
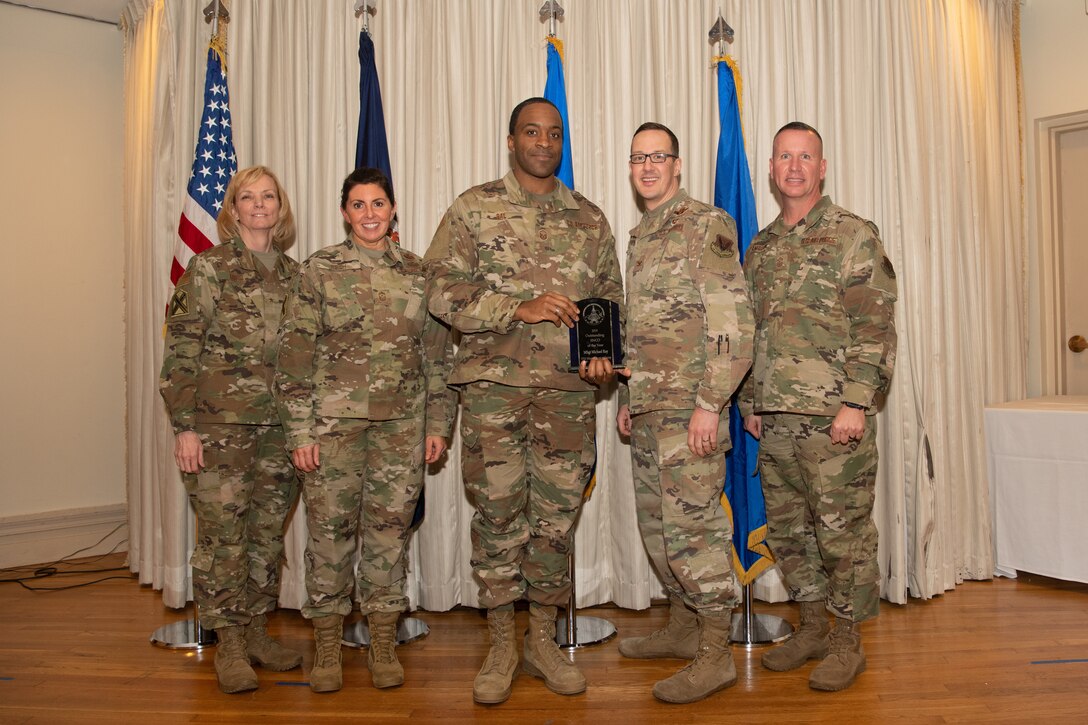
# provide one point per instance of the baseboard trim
(52, 535)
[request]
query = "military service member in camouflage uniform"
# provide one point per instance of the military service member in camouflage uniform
(689, 344)
(361, 388)
(216, 381)
(823, 292)
(505, 267)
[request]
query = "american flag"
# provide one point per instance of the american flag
(213, 166)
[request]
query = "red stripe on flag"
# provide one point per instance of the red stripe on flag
(176, 270)
(192, 236)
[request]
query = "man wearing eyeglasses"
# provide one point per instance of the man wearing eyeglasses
(505, 267)
(824, 294)
(688, 345)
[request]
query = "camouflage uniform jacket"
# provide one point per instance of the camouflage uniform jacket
(495, 248)
(356, 342)
(824, 294)
(221, 338)
(689, 325)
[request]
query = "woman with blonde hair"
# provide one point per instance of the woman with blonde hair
(216, 380)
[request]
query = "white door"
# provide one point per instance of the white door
(1073, 236)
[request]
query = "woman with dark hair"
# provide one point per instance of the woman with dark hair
(361, 389)
(217, 383)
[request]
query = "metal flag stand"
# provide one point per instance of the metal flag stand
(409, 629)
(185, 634)
(581, 630)
(747, 628)
(188, 633)
(357, 634)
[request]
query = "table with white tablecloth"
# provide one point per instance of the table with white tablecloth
(1037, 457)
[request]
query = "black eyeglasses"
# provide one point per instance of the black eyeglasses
(658, 158)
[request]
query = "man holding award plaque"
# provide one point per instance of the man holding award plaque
(689, 345)
(507, 267)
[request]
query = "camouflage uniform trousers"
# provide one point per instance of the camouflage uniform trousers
(819, 512)
(678, 499)
(527, 454)
(361, 498)
(242, 499)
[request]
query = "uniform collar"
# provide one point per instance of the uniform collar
(249, 261)
(781, 229)
(653, 220)
(392, 249)
(561, 197)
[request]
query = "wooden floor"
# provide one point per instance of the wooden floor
(1001, 651)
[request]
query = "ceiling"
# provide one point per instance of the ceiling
(105, 10)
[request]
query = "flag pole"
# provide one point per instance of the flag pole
(409, 629)
(579, 630)
(733, 188)
(189, 633)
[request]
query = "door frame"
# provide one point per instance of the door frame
(1048, 132)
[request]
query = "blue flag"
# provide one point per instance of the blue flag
(743, 493)
(372, 149)
(555, 90)
(371, 146)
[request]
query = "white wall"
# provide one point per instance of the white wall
(1054, 52)
(62, 424)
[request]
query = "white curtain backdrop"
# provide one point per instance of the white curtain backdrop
(917, 102)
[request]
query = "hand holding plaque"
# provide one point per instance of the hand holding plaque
(597, 333)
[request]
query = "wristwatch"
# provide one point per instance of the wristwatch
(855, 406)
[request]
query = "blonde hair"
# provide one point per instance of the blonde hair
(283, 234)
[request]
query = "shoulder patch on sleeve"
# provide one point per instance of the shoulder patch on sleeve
(886, 265)
(179, 304)
(719, 254)
(723, 246)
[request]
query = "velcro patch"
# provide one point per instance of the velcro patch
(723, 246)
(886, 265)
(179, 304)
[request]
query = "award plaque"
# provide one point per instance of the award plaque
(596, 333)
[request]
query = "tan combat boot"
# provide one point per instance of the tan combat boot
(712, 669)
(495, 679)
(810, 641)
(231, 661)
(844, 662)
(385, 669)
(327, 674)
(679, 639)
(543, 658)
(267, 652)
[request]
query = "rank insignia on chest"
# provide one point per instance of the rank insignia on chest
(723, 246)
(179, 303)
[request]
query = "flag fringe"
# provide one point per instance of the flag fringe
(756, 544)
(735, 67)
(218, 45)
(557, 44)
